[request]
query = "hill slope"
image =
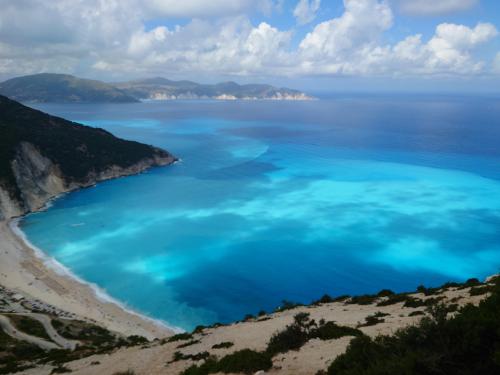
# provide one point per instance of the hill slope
(162, 88)
(42, 156)
(62, 88)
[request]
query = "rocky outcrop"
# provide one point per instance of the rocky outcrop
(42, 156)
(38, 179)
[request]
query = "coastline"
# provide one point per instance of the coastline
(30, 271)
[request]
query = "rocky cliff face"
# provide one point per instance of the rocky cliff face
(38, 180)
(42, 156)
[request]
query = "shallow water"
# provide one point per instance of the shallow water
(284, 200)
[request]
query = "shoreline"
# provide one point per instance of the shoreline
(29, 270)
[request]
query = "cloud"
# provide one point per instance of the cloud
(111, 38)
(305, 11)
(434, 7)
(362, 22)
(448, 51)
(203, 8)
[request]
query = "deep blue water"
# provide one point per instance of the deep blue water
(284, 200)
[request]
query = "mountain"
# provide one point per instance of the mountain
(162, 88)
(42, 156)
(62, 88)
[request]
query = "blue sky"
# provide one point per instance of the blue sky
(324, 45)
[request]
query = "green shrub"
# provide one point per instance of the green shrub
(416, 313)
(385, 293)
(287, 305)
(466, 344)
(189, 343)
(393, 299)
(180, 336)
(291, 338)
(244, 361)
(332, 331)
(478, 291)
(222, 345)
(60, 370)
(365, 299)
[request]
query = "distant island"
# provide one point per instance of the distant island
(63, 88)
(42, 156)
(165, 89)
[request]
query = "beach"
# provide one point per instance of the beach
(30, 272)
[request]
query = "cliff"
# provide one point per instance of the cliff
(42, 156)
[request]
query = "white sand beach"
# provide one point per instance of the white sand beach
(21, 269)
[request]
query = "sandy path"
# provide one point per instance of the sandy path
(7, 326)
(53, 334)
(22, 270)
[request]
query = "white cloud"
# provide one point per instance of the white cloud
(204, 8)
(306, 10)
(337, 41)
(89, 36)
(448, 51)
(434, 7)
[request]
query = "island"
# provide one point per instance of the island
(63, 88)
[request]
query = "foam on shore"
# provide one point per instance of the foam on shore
(54, 265)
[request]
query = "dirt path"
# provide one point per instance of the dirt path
(53, 334)
(7, 326)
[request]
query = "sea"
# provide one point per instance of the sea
(276, 201)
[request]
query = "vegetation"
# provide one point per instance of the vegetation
(180, 337)
(244, 361)
(467, 343)
(146, 88)
(29, 325)
(62, 88)
(294, 336)
(78, 150)
(222, 345)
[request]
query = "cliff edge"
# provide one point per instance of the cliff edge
(42, 156)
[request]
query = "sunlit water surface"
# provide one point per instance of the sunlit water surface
(284, 200)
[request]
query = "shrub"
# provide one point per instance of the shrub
(366, 299)
(244, 361)
(222, 345)
(416, 313)
(374, 319)
(385, 293)
(393, 299)
(60, 370)
(291, 338)
(478, 291)
(417, 302)
(189, 343)
(180, 336)
(332, 331)
(465, 344)
(179, 356)
(287, 305)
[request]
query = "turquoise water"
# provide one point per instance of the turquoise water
(276, 201)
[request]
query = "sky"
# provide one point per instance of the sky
(322, 45)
